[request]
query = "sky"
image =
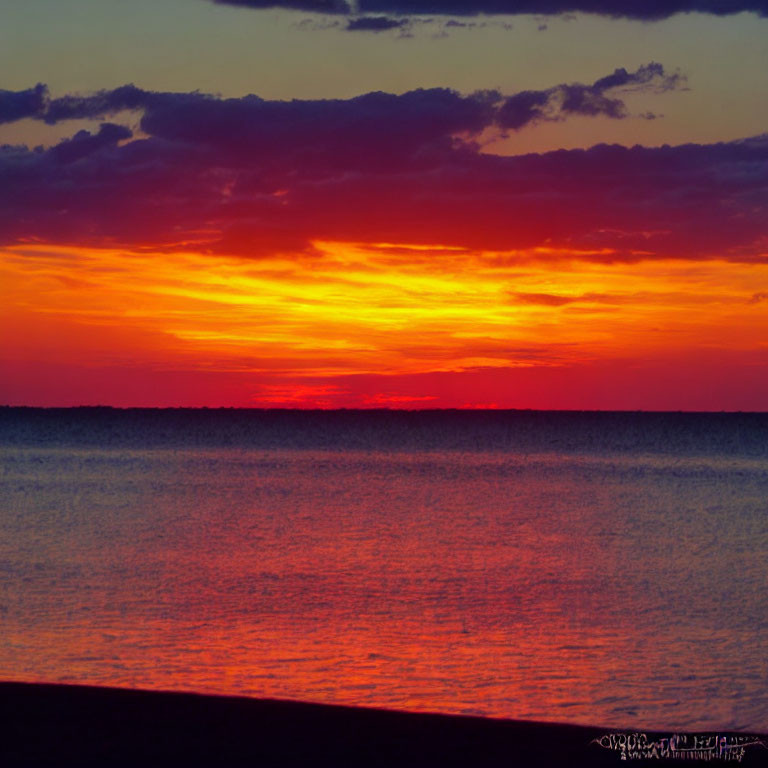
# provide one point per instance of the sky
(384, 203)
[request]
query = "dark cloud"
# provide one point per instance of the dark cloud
(590, 100)
(648, 10)
(316, 6)
(524, 108)
(97, 105)
(84, 143)
(255, 177)
(16, 105)
(652, 74)
(374, 24)
(441, 111)
(369, 130)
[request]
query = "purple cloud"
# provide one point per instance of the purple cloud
(647, 10)
(591, 100)
(440, 110)
(374, 24)
(316, 6)
(254, 177)
(84, 143)
(16, 105)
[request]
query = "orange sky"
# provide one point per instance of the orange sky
(418, 320)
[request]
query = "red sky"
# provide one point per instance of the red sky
(404, 248)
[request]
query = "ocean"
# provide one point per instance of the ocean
(596, 568)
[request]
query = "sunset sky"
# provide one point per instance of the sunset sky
(385, 203)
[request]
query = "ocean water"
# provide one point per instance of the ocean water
(607, 569)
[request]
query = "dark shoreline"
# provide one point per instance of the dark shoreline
(54, 725)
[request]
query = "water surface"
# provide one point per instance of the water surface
(456, 566)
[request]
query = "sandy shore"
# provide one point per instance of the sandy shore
(84, 726)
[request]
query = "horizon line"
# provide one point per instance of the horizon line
(379, 409)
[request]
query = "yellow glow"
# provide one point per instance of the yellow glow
(380, 308)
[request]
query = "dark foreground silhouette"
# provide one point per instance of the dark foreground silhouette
(84, 726)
